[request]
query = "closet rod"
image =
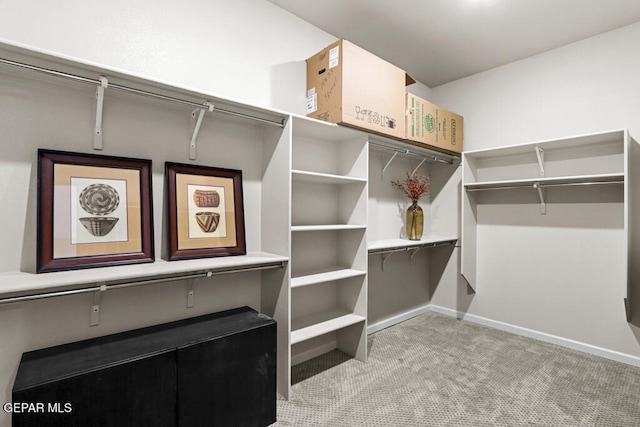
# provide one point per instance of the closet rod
(542, 185)
(124, 285)
(136, 91)
(408, 152)
(410, 248)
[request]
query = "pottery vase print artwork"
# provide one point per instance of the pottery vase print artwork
(206, 211)
(207, 217)
(208, 221)
(98, 210)
(206, 198)
(93, 211)
(99, 199)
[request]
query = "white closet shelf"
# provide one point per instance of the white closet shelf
(324, 275)
(576, 142)
(328, 227)
(611, 178)
(315, 325)
(386, 245)
(324, 178)
(18, 284)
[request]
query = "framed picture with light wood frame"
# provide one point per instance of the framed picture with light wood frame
(205, 211)
(93, 211)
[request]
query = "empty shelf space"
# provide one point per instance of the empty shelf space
(307, 327)
(329, 227)
(324, 178)
(575, 143)
(612, 178)
(324, 275)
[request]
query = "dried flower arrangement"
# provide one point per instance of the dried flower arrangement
(414, 186)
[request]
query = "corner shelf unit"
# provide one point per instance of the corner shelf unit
(415, 157)
(588, 161)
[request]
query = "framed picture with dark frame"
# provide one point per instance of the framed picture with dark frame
(205, 211)
(93, 211)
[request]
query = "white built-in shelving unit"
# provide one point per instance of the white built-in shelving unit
(328, 240)
(549, 172)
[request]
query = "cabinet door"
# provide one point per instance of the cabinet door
(229, 381)
(132, 394)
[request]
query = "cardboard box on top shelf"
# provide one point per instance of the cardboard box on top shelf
(350, 86)
(433, 126)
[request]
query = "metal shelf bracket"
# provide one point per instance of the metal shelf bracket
(540, 155)
(393, 156)
(191, 283)
(198, 114)
(95, 308)
(384, 257)
(97, 133)
(543, 206)
(418, 167)
(413, 253)
(190, 292)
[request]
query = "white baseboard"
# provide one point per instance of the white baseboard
(314, 352)
(541, 336)
(397, 319)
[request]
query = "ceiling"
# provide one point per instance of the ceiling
(438, 41)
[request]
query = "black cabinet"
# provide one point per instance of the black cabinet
(213, 370)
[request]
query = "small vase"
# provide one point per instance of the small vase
(415, 222)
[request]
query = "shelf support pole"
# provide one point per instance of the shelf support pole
(97, 133)
(543, 206)
(540, 156)
(418, 167)
(196, 130)
(95, 308)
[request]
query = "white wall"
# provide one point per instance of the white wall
(563, 274)
(246, 50)
(585, 87)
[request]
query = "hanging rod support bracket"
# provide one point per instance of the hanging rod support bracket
(95, 308)
(191, 294)
(413, 253)
(198, 114)
(543, 206)
(418, 167)
(540, 156)
(97, 133)
(384, 257)
(393, 156)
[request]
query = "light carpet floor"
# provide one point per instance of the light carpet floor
(435, 370)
